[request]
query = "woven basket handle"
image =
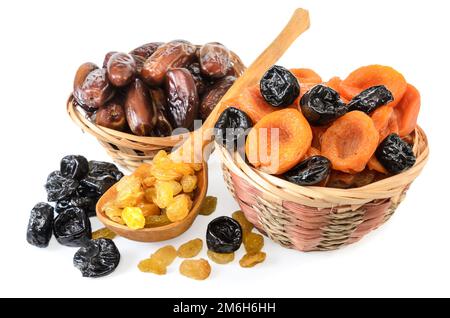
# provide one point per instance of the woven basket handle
(298, 24)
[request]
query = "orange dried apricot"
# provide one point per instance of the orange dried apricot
(306, 75)
(335, 83)
(277, 155)
(344, 180)
(375, 165)
(385, 121)
(407, 111)
(312, 151)
(350, 142)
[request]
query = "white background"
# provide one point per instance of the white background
(42, 44)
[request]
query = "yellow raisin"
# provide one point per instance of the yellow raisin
(208, 206)
(179, 208)
(150, 194)
(165, 174)
(113, 213)
(220, 258)
(164, 194)
(253, 242)
(149, 209)
(198, 269)
(143, 171)
(129, 192)
(182, 168)
(246, 225)
(189, 183)
(133, 218)
(149, 182)
(162, 154)
(151, 265)
(176, 187)
(197, 166)
(250, 260)
(156, 220)
(103, 233)
(165, 255)
(190, 249)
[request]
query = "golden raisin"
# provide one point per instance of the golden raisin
(156, 220)
(253, 242)
(164, 194)
(250, 260)
(150, 194)
(166, 255)
(197, 166)
(133, 218)
(149, 209)
(198, 269)
(129, 192)
(181, 168)
(165, 174)
(160, 156)
(179, 207)
(149, 182)
(190, 249)
(189, 183)
(113, 213)
(176, 187)
(220, 258)
(143, 171)
(246, 225)
(151, 265)
(103, 233)
(208, 206)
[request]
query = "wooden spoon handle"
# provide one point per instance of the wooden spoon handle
(298, 24)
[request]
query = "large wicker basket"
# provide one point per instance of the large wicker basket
(128, 150)
(316, 218)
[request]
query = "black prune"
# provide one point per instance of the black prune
(74, 167)
(321, 105)
(231, 127)
(310, 171)
(370, 99)
(279, 87)
(59, 187)
(86, 203)
(97, 258)
(395, 154)
(99, 184)
(72, 227)
(40, 225)
(224, 235)
(101, 168)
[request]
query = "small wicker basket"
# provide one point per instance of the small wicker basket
(316, 218)
(128, 150)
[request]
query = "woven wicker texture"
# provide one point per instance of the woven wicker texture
(317, 218)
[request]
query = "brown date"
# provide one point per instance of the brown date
(200, 82)
(107, 57)
(139, 109)
(111, 115)
(162, 127)
(214, 94)
(174, 54)
(147, 49)
(121, 69)
(81, 74)
(95, 90)
(214, 60)
(182, 98)
(139, 62)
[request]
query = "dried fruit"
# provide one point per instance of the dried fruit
(95, 90)
(198, 269)
(40, 225)
(250, 260)
(201, 82)
(59, 187)
(220, 258)
(245, 224)
(72, 227)
(103, 169)
(311, 171)
(385, 121)
(97, 258)
(215, 60)
(179, 208)
(129, 192)
(156, 220)
(113, 212)
(111, 115)
(252, 103)
(278, 141)
(74, 167)
(190, 249)
(407, 111)
(231, 127)
(350, 142)
(279, 87)
(189, 183)
(253, 242)
(214, 94)
(342, 180)
(103, 233)
(149, 209)
(395, 154)
(208, 205)
(139, 110)
(322, 105)
(165, 255)
(164, 194)
(306, 75)
(375, 165)
(370, 99)
(86, 203)
(224, 235)
(163, 127)
(121, 69)
(151, 265)
(101, 176)
(147, 49)
(133, 218)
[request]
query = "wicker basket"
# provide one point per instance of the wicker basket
(316, 218)
(128, 150)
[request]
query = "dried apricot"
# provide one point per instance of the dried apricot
(385, 121)
(250, 260)
(312, 151)
(279, 141)
(306, 75)
(208, 205)
(190, 249)
(220, 258)
(103, 233)
(407, 111)
(375, 165)
(350, 142)
(198, 269)
(344, 180)
(253, 242)
(133, 218)
(245, 224)
(179, 208)
(189, 183)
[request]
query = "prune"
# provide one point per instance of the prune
(182, 98)
(163, 127)
(97, 258)
(224, 235)
(279, 87)
(40, 225)
(95, 90)
(250, 260)
(99, 184)
(103, 233)
(220, 258)
(121, 69)
(87, 204)
(321, 105)
(112, 116)
(102, 168)
(370, 99)
(147, 49)
(133, 218)
(214, 94)
(231, 127)
(200, 82)
(139, 110)
(179, 208)
(107, 57)
(198, 269)
(245, 224)
(74, 167)
(253, 242)
(171, 55)
(214, 60)
(190, 249)
(395, 154)
(59, 187)
(310, 171)
(72, 227)
(208, 205)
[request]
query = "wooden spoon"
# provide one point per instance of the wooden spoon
(199, 139)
